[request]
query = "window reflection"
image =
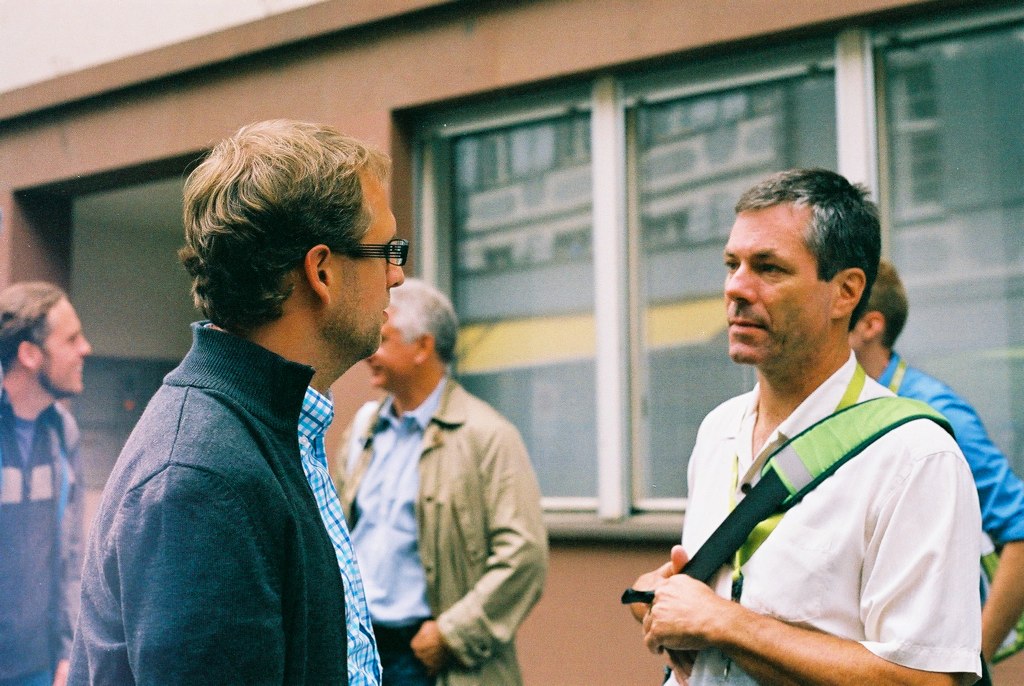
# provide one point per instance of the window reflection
(524, 289)
(955, 117)
(696, 156)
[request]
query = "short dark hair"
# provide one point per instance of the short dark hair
(890, 298)
(844, 230)
(256, 205)
(24, 310)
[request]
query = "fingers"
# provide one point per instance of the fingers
(652, 643)
(648, 580)
(651, 638)
(639, 610)
(682, 660)
(653, 579)
(682, 610)
(429, 647)
(678, 559)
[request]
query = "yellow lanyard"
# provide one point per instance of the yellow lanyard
(897, 377)
(765, 527)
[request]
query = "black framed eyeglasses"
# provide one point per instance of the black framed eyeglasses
(395, 251)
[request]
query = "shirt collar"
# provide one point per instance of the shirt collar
(819, 404)
(316, 414)
(422, 414)
(822, 402)
(890, 370)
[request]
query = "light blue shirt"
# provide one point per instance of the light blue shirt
(363, 659)
(1000, 490)
(385, 534)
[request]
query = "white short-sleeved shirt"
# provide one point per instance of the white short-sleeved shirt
(884, 552)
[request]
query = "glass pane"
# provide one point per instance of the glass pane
(956, 112)
(523, 273)
(695, 156)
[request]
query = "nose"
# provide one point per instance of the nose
(739, 285)
(86, 348)
(396, 275)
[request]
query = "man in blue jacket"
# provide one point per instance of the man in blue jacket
(1000, 490)
(219, 554)
(43, 350)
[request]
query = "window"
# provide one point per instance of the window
(695, 156)
(523, 288)
(955, 112)
(518, 246)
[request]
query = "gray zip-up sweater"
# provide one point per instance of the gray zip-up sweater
(208, 562)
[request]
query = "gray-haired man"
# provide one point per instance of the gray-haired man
(444, 509)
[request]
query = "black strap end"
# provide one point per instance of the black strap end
(631, 595)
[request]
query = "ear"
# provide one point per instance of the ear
(849, 285)
(871, 326)
(316, 272)
(425, 348)
(30, 356)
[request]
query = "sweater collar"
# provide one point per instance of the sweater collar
(263, 382)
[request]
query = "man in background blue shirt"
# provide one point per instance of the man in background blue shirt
(1000, 490)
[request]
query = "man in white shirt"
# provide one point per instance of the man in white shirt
(872, 578)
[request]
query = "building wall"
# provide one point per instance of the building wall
(50, 38)
(369, 68)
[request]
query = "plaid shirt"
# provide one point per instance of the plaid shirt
(363, 660)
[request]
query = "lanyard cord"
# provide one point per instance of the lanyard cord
(897, 377)
(765, 527)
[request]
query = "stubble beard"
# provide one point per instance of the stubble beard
(770, 356)
(56, 392)
(348, 341)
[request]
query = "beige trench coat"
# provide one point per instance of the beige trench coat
(482, 539)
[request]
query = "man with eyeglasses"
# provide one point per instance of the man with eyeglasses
(444, 509)
(219, 553)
